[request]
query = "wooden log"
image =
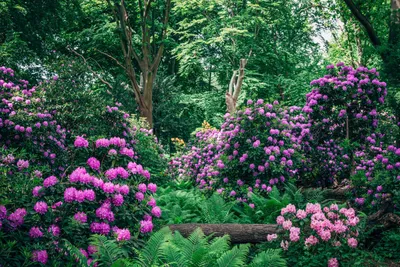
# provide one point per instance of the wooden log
(239, 233)
(338, 193)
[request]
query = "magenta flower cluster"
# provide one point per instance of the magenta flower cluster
(342, 105)
(95, 197)
(259, 145)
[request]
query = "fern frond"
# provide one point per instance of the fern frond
(171, 255)
(195, 247)
(81, 260)
(108, 251)
(152, 250)
(270, 258)
(235, 257)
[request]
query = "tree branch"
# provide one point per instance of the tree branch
(364, 22)
(91, 70)
(113, 58)
(238, 85)
(160, 51)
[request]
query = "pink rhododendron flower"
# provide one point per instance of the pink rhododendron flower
(123, 234)
(94, 163)
(81, 217)
(50, 181)
(146, 226)
(40, 256)
(35, 232)
(40, 207)
(333, 262)
(81, 142)
(156, 211)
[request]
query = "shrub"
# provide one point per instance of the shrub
(315, 232)
(106, 193)
(377, 178)
(26, 122)
(343, 109)
(252, 151)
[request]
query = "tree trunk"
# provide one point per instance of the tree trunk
(146, 105)
(257, 233)
(230, 103)
(239, 233)
(235, 86)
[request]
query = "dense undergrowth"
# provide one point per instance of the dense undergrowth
(92, 195)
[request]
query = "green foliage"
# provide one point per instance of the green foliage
(108, 251)
(266, 209)
(167, 249)
(270, 257)
(184, 206)
(389, 245)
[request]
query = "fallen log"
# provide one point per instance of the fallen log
(239, 233)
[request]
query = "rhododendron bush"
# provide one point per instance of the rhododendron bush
(315, 229)
(25, 120)
(330, 139)
(343, 105)
(377, 179)
(108, 194)
(254, 150)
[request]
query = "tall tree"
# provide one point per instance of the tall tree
(149, 56)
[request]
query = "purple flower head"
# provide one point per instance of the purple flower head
(123, 234)
(152, 187)
(80, 217)
(54, 230)
(146, 226)
(50, 181)
(156, 211)
(81, 142)
(41, 207)
(93, 163)
(40, 256)
(35, 192)
(35, 232)
(22, 164)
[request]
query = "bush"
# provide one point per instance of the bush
(254, 150)
(343, 109)
(377, 178)
(97, 195)
(27, 123)
(316, 234)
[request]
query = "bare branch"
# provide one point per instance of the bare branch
(113, 58)
(91, 70)
(240, 79)
(147, 8)
(232, 83)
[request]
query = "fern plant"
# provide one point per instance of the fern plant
(108, 250)
(191, 206)
(268, 208)
(173, 250)
(217, 210)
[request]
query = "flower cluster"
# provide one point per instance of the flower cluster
(100, 199)
(259, 144)
(317, 226)
(25, 121)
(343, 105)
(377, 178)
